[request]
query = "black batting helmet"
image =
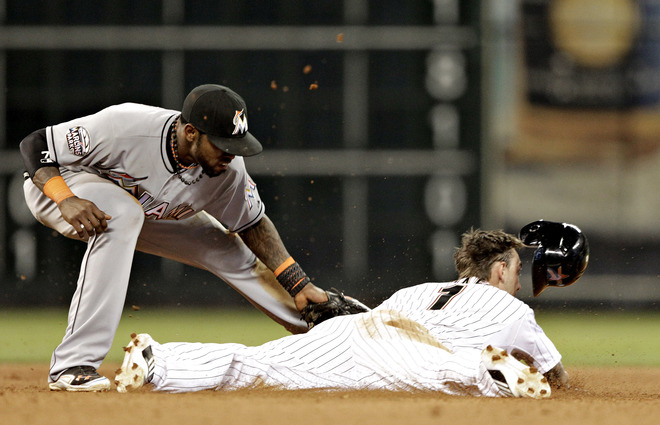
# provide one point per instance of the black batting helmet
(561, 256)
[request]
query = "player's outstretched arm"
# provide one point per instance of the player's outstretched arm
(264, 240)
(558, 377)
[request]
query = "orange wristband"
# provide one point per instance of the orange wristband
(291, 276)
(57, 190)
(289, 261)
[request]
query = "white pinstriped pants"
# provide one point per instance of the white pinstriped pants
(377, 350)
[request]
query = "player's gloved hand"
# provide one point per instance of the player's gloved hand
(309, 294)
(337, 305)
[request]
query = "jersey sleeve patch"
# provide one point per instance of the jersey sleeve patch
(250, 189)
(77, 140)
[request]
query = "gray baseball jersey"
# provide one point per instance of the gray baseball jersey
(427, 337)
(118, 159)
(128, 144)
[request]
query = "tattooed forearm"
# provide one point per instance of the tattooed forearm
(264, 240)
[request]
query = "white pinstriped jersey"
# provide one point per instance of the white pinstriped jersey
(129, 145)
(470, 314)
(403, 344)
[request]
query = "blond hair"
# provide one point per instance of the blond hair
(480, 249)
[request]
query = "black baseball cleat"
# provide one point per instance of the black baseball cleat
(512, 377)
(80, 378)
(138, 366)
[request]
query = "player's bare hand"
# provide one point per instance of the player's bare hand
(309, 293)
(84, 216)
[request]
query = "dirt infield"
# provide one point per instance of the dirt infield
(600, 396)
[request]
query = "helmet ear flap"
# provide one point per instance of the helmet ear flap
(539, 272)
(561, 256)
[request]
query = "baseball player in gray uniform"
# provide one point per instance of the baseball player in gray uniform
(168, 183)
(465, 337)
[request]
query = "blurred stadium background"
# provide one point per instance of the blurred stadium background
(389, 128)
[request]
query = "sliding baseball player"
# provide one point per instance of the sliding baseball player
(465, 337)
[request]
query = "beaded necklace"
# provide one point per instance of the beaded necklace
(180, 167)
(188, 183)
(175, 147)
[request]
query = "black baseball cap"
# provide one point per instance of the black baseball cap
(221, 114)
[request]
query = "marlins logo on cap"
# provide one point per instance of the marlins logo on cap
(221, 114)
(240, 123)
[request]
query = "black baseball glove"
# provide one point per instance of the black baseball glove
(337, 305)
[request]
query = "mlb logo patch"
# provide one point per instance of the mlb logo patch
(77, 140)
